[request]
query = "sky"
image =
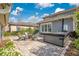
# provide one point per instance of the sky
(34, 12)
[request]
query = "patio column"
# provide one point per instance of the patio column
(74, 22)
(62, 24)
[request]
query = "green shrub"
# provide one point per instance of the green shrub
(6, 33)
(77, 22)
(76, 43)
(9, 49)
(8, 52)
(77, 31)
(14, 33)
(30, 31)
(35, 31)
(9, 44)
(21, 32)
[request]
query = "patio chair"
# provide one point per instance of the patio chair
(21, 37)
(26, 35)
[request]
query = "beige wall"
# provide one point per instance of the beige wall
(4, 17)
(6, 28)
(13, 28)
(26, 27)
(2, 21)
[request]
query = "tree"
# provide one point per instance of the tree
(77, 28)
(77, 15)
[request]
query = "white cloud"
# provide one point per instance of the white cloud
(45, 15)
(76, 4)
(17, 11)
(13, 19)
(59, 9)
(14, 12)
(34, 19)
(44, 5)
(19, 8)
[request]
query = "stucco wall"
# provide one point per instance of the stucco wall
(13, 28)
(25, 27)
(6, 28)
(2, 21)
(16, 28)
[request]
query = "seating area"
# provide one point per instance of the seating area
(23, 37)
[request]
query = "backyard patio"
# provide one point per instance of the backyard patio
(37, 48)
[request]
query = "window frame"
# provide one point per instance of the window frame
(45, 27)
(49, 28)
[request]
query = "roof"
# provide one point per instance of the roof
(58, 13)
(61, 12)
(23, 24)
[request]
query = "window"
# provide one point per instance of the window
(65, 27)
(49, 27)
(46, 28)
(42, 28)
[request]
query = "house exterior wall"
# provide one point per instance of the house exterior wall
(2, 21)
(2, 24)
(57, 26)
(25, 27)
(6, 28)
(61, 23)
(13, 28)
(4, 17)
(17, 28)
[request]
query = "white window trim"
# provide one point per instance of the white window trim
(44, 27)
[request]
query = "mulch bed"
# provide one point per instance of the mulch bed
(72, 51)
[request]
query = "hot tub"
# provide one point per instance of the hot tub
(56, 38)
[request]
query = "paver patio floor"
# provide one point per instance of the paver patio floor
(37, 48)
